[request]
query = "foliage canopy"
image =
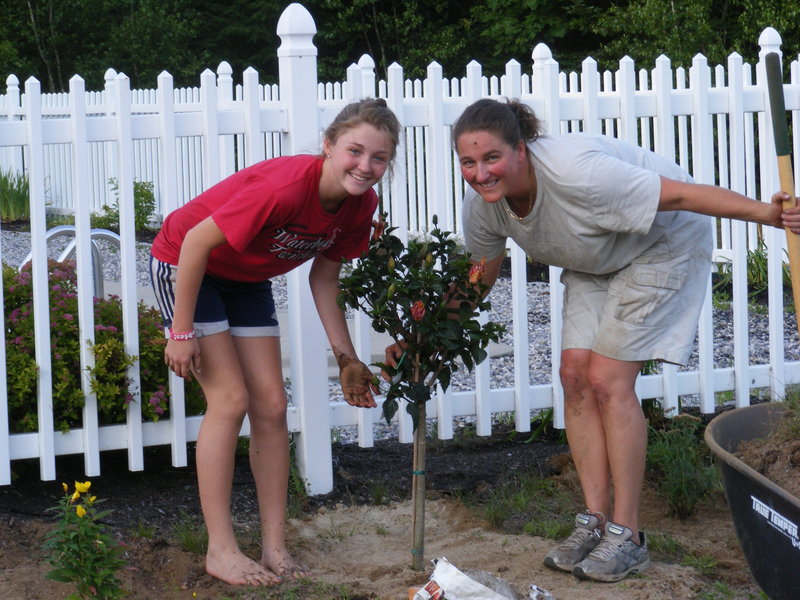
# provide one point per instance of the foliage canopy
(427, 296)
(54, 39)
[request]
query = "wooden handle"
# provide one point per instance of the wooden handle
(780, 130)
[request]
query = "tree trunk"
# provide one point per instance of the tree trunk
(418, 492)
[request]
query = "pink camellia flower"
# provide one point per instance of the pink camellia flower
(476, 271)
(418, 310)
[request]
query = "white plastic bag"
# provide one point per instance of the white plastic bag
(449, 583)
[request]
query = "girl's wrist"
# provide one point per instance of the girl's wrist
(181, 336)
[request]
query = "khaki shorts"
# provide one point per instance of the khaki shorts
(645, 311)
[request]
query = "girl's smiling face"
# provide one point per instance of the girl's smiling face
(355, 161)
(493, 168)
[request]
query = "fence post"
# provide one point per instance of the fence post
(544, 73)
(737, 168)
(626, 92)
(14, 156)
(227, 158)
(83, 257)
(297, 74)
(590, 91)
(41, 302)
(109, 156)
(12, 105)
(127, 233)
(253, 138)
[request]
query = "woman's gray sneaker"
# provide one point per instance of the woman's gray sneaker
(615, 557)
(578, 545)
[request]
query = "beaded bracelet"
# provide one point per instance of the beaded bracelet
(181, 337)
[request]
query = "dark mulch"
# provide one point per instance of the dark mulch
(162, 494)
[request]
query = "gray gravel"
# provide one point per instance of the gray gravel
(15, 247)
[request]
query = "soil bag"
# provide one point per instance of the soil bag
(449, 583)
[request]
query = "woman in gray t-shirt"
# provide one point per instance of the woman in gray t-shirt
(633, 234)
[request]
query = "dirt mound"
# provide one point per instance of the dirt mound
(356, 541)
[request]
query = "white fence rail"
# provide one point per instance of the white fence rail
(712, 121)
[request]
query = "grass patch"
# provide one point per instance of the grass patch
(530, 503)
(297, 499)
(143, 530)
(704, 563)
(720, 591)
(190, 534)
(301, 589)
(336, 532)
(680, 464)
(666, 545)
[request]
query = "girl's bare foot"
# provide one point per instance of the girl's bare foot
(235, 568)
(280, 562)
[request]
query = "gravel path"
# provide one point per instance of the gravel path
(16, 246)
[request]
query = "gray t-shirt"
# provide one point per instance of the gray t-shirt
(595, 210)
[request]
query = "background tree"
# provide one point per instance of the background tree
(54, 39)
(410, 32)
(645, 29)
(500, 30)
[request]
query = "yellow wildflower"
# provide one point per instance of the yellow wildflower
(91, 500)
(83, 487)
(80, 511)
(65, 486)
(75, 496)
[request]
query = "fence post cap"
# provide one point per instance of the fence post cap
(296, 28)
(770, 37)
(541, 52)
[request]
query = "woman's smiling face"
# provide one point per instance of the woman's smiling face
(493, 168)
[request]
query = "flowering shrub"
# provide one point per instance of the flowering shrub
(109, 379)
(427, 296)
(81, 552)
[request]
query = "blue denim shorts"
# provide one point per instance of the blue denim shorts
(245, 308)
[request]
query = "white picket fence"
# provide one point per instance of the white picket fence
(712, 121)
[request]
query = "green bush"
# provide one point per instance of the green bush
(14, 196)
(108, 377)
(757, 276)
(144, 205)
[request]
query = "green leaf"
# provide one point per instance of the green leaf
(389, 409)
(419, 392)
(62, 575)
(412, 408)
(444, 378)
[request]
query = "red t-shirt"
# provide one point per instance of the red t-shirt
(271, 217)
